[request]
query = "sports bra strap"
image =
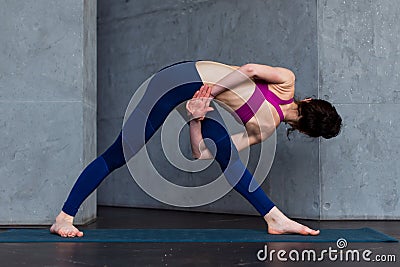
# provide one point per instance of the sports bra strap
(261, 93)
(273, 99)
(251, 106)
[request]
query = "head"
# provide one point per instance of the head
(317, 118)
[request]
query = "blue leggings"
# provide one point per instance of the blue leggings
(184, 81)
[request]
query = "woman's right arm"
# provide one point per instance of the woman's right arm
(199, 149)
(197, 108)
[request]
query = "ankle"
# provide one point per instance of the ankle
(275, 215)
(63, 217)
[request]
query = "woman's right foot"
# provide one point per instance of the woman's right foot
(64, 226)
(278, 224)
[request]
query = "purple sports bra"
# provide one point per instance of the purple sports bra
(261, 93)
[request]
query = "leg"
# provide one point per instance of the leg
(149, 115)
(87, 182)
(238, 176)
(228, 158)
(110, 160)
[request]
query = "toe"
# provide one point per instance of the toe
(71, 233)
(315, 232)
(62, 233)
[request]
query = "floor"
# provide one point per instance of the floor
(187, 254)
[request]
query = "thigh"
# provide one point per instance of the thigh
(167, 89)
(214, 128)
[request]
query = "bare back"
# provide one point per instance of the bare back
(266, 119)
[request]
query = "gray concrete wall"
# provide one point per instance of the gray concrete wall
(136, 38)
(342, 51)
(359, 57)
(47, 106)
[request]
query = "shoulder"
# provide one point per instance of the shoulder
(271, 74)
(289, 74)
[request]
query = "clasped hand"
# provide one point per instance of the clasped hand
(199, 105)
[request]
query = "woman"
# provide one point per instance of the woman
(252, 90)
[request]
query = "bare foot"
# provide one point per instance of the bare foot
(279, 224)
(64, 226)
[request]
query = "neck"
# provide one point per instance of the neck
(291, 113)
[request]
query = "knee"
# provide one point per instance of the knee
(225, 153)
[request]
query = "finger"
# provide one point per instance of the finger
(203, 91)
(210, 109)
(202, 96)
(196, 95)
(208, 91)
(209, 99)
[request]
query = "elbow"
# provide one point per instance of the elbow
(265, 134)
(258, 138)
(291, 76)
(249, 70)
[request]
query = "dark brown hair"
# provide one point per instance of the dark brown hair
(317, 118)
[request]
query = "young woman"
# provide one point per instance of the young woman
(251, 90)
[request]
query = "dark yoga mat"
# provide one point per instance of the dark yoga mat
(193, 235)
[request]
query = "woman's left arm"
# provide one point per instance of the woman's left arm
(270, 74)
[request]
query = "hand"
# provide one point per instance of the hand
(199, 105)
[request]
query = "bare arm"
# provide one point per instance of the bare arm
(197, 108)
(199, 149)
(243, 140)
(254, 134)
(270, 74)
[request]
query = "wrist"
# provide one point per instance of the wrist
(191, 116)
(194, 120)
